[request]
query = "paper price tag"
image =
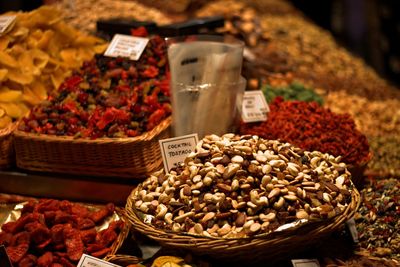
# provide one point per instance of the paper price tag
(89, 261)
(126, 46)
(175, 150)
(254, 106)
(4, 259)
(6, 22)
(305, 263)
(351, 224)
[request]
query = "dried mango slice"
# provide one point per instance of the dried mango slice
(30, 97)
(19, 77)
(45, 39)
(86, 40)
(161, 261)
(11, 109)
(100, 48)
(7, 60)
(5, 121)
(3, 74)
(39, 90)
(4, 41)
(40, 58)
(2, 112)
(19, 32)
(23, 108)
(7, 95)
(25, 61)
(69, 56)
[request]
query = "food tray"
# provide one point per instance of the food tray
(120, 157)
(6, 148)
(273, 246)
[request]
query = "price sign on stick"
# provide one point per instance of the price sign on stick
(175, 150)
(254, 106)
(126, 46)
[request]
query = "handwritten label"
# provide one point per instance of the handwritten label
(351, 224)
(89, 261)
(126, 46)
(305, 263)
(4, 259)
(175, 150)
(254, 106)
(6, 22)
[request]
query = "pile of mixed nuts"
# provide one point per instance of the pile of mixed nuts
(238, 186)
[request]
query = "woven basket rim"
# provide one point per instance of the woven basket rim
(151, 231)
(146, 136)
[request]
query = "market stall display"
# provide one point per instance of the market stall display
(112, 113)
(240, 193)
(47, 231)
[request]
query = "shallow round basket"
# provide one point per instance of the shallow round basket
(274, 246)
(6, 146)
(112, 157)
(122, 260)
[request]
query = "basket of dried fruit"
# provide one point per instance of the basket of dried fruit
(244, 197)
(6, 148)
(104, 120)
(46, 231)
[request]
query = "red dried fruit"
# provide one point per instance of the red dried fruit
(17, 253)
(101, 214)
(9, 227)
(73, 243)
(57, 235)
(65, 262)
(88, 236)
(107, 237)
(47, 205)
(56, 265)
(94, 247)
(79, 210)
(40, 235)
(28, 261)
(20, 238)
(5, 238)
(85, 224)
(32, 226)
(101, 253)
(45, 260)
(63, 217)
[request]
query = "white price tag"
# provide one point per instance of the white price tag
(353, 230)
(175, 150)
(90, 261)
(126, 46)
(305, 263)
(254, 106)
(6, 22)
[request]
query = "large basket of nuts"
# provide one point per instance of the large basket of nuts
(6, 148)
(246, 197)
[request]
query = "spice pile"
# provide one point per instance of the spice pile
(312, 127)
(83, 14)
(386, 151)
(293, 91)
(58, 232)
(238, 186)
(378, 219)
(35, 57)
(108, 97)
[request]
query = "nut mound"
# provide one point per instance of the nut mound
(240, 186)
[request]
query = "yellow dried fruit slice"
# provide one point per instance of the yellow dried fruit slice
(5, 121)
(3, 74)
(23, 108)
(45, 39)
(7, 60)
(160, 261)
(39, 90)
(7, 95)
(30, 97)
(4, 41)
(11, 109)
(2, 112)
(40, 58)
(19, 77)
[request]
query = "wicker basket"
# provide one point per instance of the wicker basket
(271, 247)
(122, 260)
(6, 148)
(121, 157)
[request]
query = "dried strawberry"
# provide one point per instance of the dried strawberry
(28, 261)
(73, 243)
(45, 260)
(47, 205)
(40, 234)
(88, 236)
(107, 237)
(9, 227)
(5, 238)
(85, 224)
(57, 235)
(17, 253)
(101, 253)
(21, 238)
(139, 32)
(79, 210)
(100, 215)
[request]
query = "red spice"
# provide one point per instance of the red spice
(312, 127)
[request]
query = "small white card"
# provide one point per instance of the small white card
(254, 106)
(305, 263)
(6, 22)
(175, 150)
(126, 46)
(353, 230)
(90, 261)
